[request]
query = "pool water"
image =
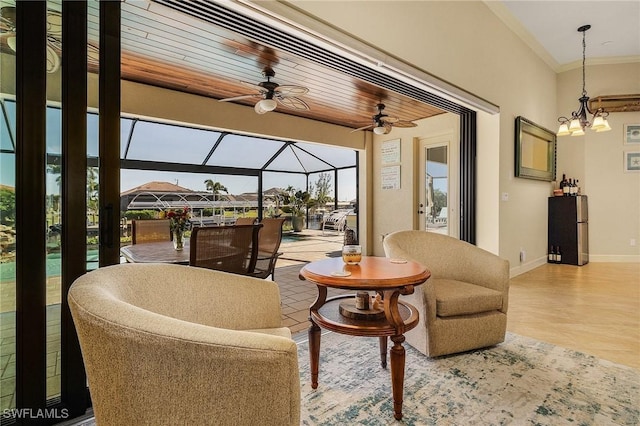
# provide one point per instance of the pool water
(54, 265)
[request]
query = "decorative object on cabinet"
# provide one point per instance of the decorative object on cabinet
(535, 151)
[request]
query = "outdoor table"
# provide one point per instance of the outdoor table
(157, 252)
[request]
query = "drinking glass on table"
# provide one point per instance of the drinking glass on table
(352, 254)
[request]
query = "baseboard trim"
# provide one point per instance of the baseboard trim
(598, 258)
(617, 258)
(521, 269)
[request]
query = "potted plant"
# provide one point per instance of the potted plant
(298, 201)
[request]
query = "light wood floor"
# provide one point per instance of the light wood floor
(593, 308)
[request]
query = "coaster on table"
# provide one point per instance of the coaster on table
(341, 273)
(397, 261)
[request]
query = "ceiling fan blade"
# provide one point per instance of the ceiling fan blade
(237, 98)
(253, 86)
(291, 90)
(387, 128)
(53, 60)
(7, 27)
(54, 23)
(370, 126)
(8, 18)
(403, 123)
(389, 119)
(292, 102)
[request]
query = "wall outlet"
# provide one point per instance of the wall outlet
(523, 255)
(632, 242)
(505, 196)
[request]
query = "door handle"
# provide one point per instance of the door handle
(106, 234)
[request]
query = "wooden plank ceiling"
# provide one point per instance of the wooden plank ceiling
(166, 48)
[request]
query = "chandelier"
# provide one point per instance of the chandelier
(580, 118)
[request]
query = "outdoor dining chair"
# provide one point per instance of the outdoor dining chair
(246, 220)
(269, 239)
(225, 248)
(150, 230)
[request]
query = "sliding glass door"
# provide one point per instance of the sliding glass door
(49, 187)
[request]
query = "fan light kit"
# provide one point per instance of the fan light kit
(8, 32)
(579, 119)
(382, 123)
(54, 34)
(380, 130)
(265, 105)
(273, 94)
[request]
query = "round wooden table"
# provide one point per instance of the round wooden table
(388, 277)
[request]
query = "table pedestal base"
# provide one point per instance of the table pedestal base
(397, 352)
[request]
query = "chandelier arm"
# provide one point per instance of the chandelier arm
(580, 119)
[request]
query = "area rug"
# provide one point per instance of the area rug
(519, 382)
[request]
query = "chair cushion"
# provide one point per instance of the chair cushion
(460, 298)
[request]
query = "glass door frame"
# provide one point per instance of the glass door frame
(453, 185)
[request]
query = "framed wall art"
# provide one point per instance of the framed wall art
(535, 151)
(632, 161)
(632, 134)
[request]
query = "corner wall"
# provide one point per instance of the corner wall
(596, 159)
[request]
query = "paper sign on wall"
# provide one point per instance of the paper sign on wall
(390, 177)
(391, 151)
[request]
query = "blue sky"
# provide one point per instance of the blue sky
(153, 141)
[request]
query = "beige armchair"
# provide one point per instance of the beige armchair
(463, 305)
(169, 344)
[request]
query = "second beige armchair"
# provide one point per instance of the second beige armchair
(463, 306)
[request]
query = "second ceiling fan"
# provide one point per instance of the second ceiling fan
(382, 123)
(273, 94)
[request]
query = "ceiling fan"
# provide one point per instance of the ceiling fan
(8, 30)
(273, 94)
(382, 123)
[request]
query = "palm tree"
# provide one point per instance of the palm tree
(216, 188)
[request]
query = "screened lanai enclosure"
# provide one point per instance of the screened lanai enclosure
(217, 175)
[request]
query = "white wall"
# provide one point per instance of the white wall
(465, 44)
(596, 159)
(395, 209)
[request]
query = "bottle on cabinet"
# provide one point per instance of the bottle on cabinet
(568, 187)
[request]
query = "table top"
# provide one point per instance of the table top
(157, 252)
(373, 273)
